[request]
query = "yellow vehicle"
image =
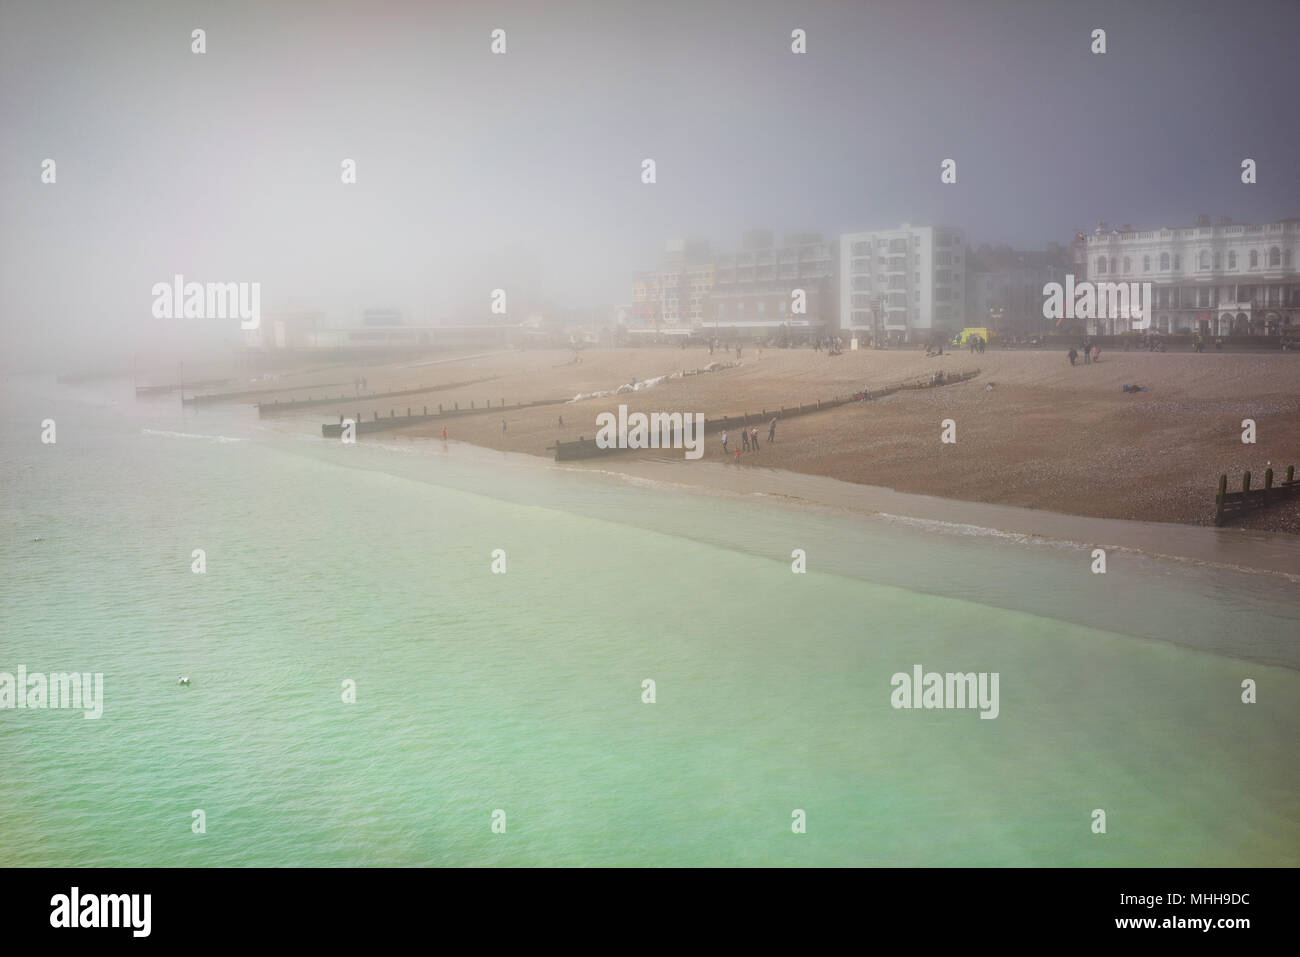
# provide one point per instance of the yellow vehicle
(961, 338)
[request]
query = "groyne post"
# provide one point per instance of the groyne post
(1219, 499)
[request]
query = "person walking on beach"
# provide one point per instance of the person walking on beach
(753, 438)
(561, 421)
(1096, 353)
(737, 458)
(744, 439)
(724, 443)
(503, 426)
(1073, 355)
(444, 434)
(771, 431)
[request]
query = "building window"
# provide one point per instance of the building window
(1205, 259)
(1218, 260)
(1254, 258)
(1286, 256)
(1178, 262)
(1232, 259)
(1275, 256)
(1128, 265)
(1101, 265)
(1146, 263)
(1164, 262)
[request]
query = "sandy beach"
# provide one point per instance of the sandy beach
(1046, 436)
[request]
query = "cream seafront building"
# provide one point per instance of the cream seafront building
(1219, 280)
(905, 284)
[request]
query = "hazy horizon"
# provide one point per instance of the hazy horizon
(477, 171)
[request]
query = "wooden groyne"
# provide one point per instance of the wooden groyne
(293, 405)
(1228, 505)
(215, 397)
(177, 387)
(332, 430)
(585, 448)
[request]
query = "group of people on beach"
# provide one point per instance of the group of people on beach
(1091, 353)
(749, 439)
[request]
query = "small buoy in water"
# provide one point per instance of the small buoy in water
(183, 680)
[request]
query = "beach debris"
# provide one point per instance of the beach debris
(635, 386)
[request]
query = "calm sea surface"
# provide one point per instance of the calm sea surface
(523, 691)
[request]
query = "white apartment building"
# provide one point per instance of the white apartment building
(907, 283)
(1220, 280)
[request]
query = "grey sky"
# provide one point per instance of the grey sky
(226, 166)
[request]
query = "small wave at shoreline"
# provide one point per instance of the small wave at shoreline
(167, 433)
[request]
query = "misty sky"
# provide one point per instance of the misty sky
(225, 166)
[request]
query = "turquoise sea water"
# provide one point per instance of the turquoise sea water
(522, 691)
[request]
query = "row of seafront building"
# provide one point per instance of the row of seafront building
(915, 283)
(1220, 280)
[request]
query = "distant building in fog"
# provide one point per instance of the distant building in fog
(294, 329)
(1004, 287)
(906, 283)
(754, 290)
(1225, 279)
(670, 299)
